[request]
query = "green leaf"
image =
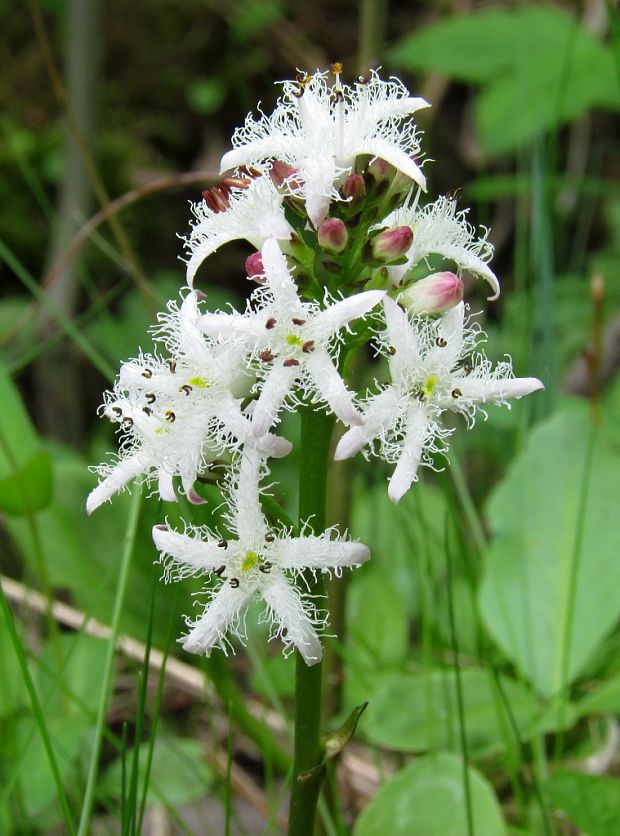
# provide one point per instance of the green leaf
(430, 720)
(427, 798)
(592, 802)
(25, 468)
(536, 61)
(604, 700)
(537, 552)
(179, 773)
(206, 95)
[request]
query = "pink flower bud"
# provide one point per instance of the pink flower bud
(391, 244)
(353, 188)
(434, 294)
(380, 170)
(254, 266)
(332, 235)
(280, 172)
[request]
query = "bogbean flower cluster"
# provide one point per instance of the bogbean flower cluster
(329, 191)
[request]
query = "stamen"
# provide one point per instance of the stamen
(170, 416)
(270, 323)
(291, 362)
(117, 411)
(440, 342)
(234, 582)
(127, 422)
(297, 321)
(150, 397)
(456, 393)
(222, 544)
(220, 571)
(266, 356)
(265, 568)
(147, 410)
(172, 365)
(269, 537)
(308, 346)
(185, 388)
(147, 373)
(391, 350)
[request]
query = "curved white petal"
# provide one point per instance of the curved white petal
(285, 603)
(331, 319)
(319, 553)
(392, 154)
(449, 331)
(126, 470)
(381, 412)
(405, 472)
(278, 275)
(492, 391)
(276, 387)
(332, 389)
(165, 485)
(248, 516)
(210, 629)
(192, 552)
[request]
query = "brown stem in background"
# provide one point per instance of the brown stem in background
(57, 375)
(371, 34)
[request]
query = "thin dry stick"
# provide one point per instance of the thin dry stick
(90, 226)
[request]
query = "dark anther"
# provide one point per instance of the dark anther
(337, 97)
(234, 582)
(297, 321)
(172, 365)
(291, 362)
(391, 350)
(222, 544)
(299, 92)
(117, 411)
(265, 567)
(467, 368)
(456, 393)
(308, 346)
(147, 410)
(300, 78)
(185, 388)
(220, 570)
(147, 373)
(270, 323)
(440, 342)
(419, 395)
(269, 537)
(266, 356)
(150, 397)
(170, 416)
(127, 423)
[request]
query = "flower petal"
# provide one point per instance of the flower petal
(381, 412)
(497, 391)
(405, 472)
(332, 318)
(196, 554)
(319, 553)
(332, 389)
(389, 152)
(288, 610)
(276, 387)
(126, 470)
(210, 629)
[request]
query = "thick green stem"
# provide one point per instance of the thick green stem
(316, 433)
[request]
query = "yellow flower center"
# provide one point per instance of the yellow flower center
(198, 382)
(293, 339)
(249, 561)
(428, 386)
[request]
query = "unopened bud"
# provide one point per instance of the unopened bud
(280, 172)
(380, 170)
(353, 188)
(332, 235)
(434, 294)
(254, 266)
(391, 244)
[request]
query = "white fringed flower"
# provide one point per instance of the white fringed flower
(256, 561)
(432, 370)
(295, 343)
(254, 214)
(178, 415)
(438, 229)
(320, 129)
